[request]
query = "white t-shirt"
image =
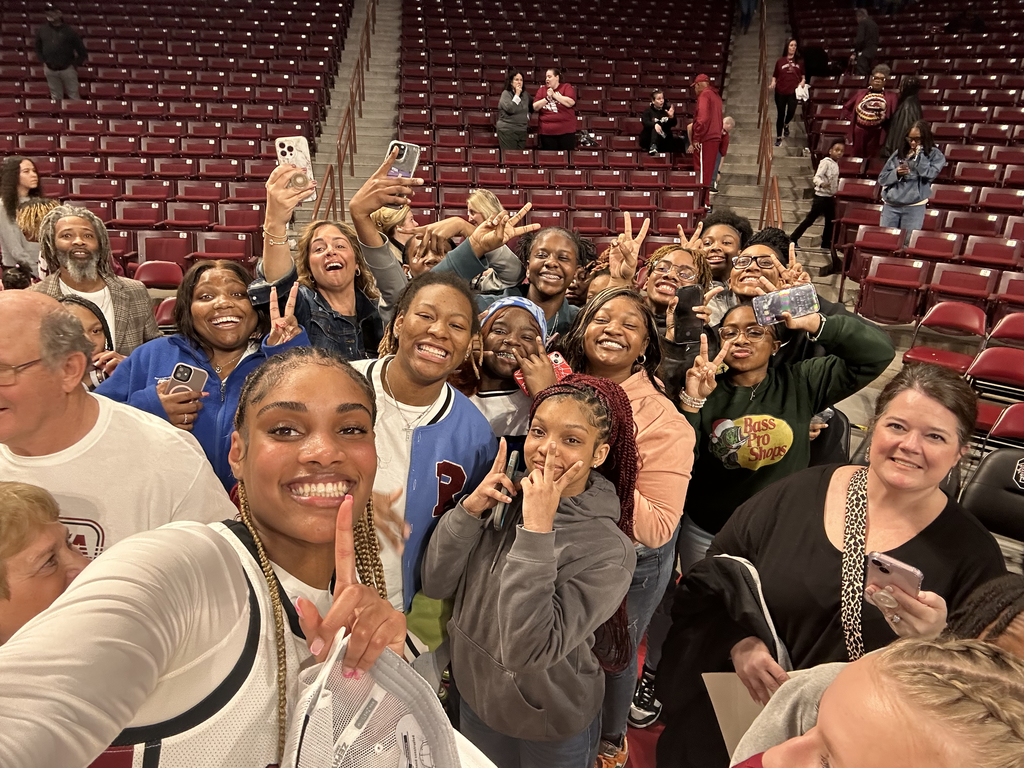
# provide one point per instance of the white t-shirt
(131, 472)
(158, 623)
(507, 411)
(101, 299)
(395, 424)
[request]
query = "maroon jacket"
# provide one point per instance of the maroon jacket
(707, 120)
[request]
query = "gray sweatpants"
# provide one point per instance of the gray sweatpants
(63, 83)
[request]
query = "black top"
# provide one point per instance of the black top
(60, 47)
(781, 531)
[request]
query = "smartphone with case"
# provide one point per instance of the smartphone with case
(187, 378)
(405, 164)
(294, 150)
(885, 571)
(799, 300)
(561, 367)
(688, 325)
(510, 473)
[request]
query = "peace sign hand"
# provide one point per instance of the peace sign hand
(793, 274)
(499, 229)
(372, 623)
(700, 379)
(380, 189)
(490, 492)
(283, 328)
(625, 251)
(694, 242)
(542, 492)
(282, 198)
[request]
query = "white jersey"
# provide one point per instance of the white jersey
(508, 412)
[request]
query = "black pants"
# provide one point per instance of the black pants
(562, 142)
(821, 207)
(785, 105)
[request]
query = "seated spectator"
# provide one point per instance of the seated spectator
(870, 109)
(907, 112)
(753, 424)
(940, 704)
(165, 618)
(482, 205)
(219, 333)
(16, 279)
(37, 557)
(433, 443)
(994, 613)
(725, 233)
(337, 303)
(513, 333)
(906, 180)
(429, 247)
(114, 470)
(807, 537)
(528, 605)
(616, 337)
(514, 110)
(658, 123)
(19, 182)
(98, 333)
(76, 248)
(556, 116)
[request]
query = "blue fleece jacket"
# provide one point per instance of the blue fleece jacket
(135, 379)
(916, 186)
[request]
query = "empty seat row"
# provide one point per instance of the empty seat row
(459, 154)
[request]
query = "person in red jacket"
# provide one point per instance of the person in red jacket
(706, 130)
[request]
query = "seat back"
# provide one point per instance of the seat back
(159, 274)
(995, 493)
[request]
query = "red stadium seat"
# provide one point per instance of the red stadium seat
(239, 217)
(995, 200)
(189, 216)
(985, 224)
(165, 246)
(159, 274)
(891, 290)
(148, 189)
(962, 282)
(950, 319)
(993, 252)
(222, 245)
(1008, 296)
(941, 246)
(137, 213)
(589, 222)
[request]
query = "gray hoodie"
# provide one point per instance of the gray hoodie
(521, 637)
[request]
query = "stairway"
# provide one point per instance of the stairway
(376, 128)
(738, 188)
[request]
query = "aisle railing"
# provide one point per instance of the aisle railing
(771, 204)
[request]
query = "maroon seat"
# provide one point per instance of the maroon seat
(138, 213)
(860, 190)
(892, 288)
(993, 252)
(165, 246)
(95, 189)
(589, 222)
(549, 199)
(962, 282)
(165, 315)
(998, 372)
(189, 216)
(955, 321)
(985, 224)
(223, 245)
(159, 274)
(1008, 296)
(593, 200)
(239, 217)
(941, 246)
(147, 189)
(643, 201)
(996, 200)
(952, 196)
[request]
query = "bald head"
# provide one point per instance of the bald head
(21, 312)
(42, 321)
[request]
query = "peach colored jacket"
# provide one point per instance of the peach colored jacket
(665, 441)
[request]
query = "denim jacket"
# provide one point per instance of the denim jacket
(326, 328)
(916, 186)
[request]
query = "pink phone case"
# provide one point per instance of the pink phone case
(885, 571)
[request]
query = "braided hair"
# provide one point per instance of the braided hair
(975, 690)
(258, 384)
(609, 411)
(700, 262)
(992, 606)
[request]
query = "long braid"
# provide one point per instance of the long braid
(612, 415)
(275, 602)
(992, 606)
(369, 567)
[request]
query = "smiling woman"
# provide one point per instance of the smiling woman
(223, 337)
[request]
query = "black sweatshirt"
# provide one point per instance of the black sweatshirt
(60, 47)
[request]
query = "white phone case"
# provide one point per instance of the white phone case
(295, 150)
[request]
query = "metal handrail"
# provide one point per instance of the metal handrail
(331, 207)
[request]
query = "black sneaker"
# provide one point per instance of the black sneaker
(652, 151)
(645, 709)
(714, 188)
(778, 142)
(785, 131)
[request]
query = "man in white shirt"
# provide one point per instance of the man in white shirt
(114, 470)
(76, 248)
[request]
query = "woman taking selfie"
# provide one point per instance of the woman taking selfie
(434, 445)
(615, 336)
(813, 535)
(906, 180)
(188, 639)
(337, 301)
(532, 589)
(514, 110)
(220, 335)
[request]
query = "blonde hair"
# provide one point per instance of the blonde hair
(23, 508)
(31, 214)
(387, 220)
(973, 689)
(483, 200)
(364, 280)
(700, 262)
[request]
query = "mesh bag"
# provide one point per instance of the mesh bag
(391, 718)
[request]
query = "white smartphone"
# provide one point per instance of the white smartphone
(885, 571)
(187, 378)
(294, 150)
(405, 164)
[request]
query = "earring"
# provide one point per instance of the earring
(641, 360)
(358, 272)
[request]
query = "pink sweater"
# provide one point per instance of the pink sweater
(665, 441)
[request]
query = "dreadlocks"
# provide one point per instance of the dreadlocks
(48, 238)
(609, 411)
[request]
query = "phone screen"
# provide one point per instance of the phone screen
(798, 301)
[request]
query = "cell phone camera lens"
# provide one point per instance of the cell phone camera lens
(280, 144)
(291, 149)
(283, 153)
(883, 569)
(181, 374)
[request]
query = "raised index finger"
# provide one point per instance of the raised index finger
(792, 255)
(275, 313)
(499, 460)
(386, 165)
(344, 548)
(289, 308)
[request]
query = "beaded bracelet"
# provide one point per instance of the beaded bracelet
(692, 402)
(273, 240)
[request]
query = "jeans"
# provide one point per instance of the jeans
(652, 574)
(821, 207)
(747, 13)
(785, 106)
(63, 83)
(579, 751)
(905, 217)
(718, 164)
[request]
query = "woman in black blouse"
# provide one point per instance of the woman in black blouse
(795, 531)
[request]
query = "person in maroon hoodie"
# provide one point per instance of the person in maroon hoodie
(706, 131)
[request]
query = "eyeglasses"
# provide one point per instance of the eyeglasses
(752, 332)
(665, 267)
(742, 262)
(9, 373)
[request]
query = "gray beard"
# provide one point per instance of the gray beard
(80, 272)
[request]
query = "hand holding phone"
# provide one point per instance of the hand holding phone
(686, 325)
(181, 395)
(798, 301)
(404, 164)
(294, 150)
(885, 571)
